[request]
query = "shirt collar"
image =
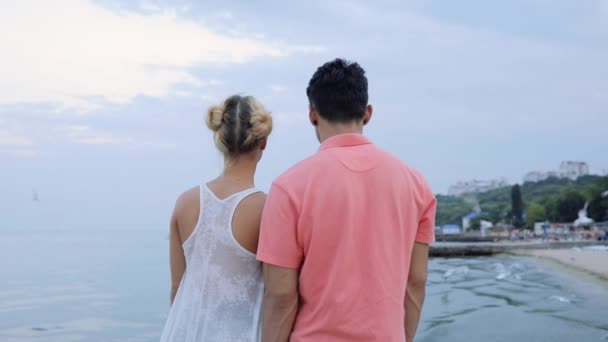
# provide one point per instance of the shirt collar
(345, 140)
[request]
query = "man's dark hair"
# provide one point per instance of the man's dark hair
(338, 91)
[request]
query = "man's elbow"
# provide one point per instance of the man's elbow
(417, 281)
(281, 300)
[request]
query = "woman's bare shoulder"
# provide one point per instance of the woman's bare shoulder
(188, 199)
(246, 221)
(252, 205)
(256, 199)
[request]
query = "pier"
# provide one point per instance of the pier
(463, 249)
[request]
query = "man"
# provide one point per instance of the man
(345, 233)
(546, 227)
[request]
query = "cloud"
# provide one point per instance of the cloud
(184, 93)
(85, 135)
(150, 7)
(70, 52)
(457, 76)
(277, 88)
(603, 4)
(289, 119)
(81, 134)
(24, 153)
(227, 15)
(354, 9)
(10, 138)
(305, 49)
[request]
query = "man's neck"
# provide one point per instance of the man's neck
(331, 130)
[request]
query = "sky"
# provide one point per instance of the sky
(102, 103)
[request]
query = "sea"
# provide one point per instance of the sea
(113, 285)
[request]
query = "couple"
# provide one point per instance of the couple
(337, 251)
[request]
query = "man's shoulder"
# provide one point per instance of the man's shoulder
(395, 161)
(410, 172)
(297, 173)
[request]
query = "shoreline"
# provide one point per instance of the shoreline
(592, 262)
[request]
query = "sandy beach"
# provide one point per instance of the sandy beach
(590, 261)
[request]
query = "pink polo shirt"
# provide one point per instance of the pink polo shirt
(347, 217)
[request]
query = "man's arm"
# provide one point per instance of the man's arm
(280, 303)
(282, 256)
(415, 291)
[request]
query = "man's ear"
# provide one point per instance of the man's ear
(369, 110)
(313, 116)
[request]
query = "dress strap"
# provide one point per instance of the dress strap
(243, 194)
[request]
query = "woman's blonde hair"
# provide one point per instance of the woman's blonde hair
(239, 125)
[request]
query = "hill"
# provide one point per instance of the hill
(554, 199)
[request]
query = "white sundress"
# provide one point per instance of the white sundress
(220, 294)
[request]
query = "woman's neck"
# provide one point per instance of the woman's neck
(239, 171)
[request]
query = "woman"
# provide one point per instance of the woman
(217, 286)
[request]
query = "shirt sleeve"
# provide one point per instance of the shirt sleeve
(426, 224)
(278, 244)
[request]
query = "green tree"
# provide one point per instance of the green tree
(496, 212)
(450, 210)
(598, 204)
(598, 208)
(548, 193)
(476, 223)
(568, 205)
(551, 211)
(517, 206)
(535, 213)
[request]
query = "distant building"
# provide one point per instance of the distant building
(484, 226)
(466, 220)
(476, 186)
(450, 229)
(535, 176)
(573, 169)
(567, 169)
(539, 176)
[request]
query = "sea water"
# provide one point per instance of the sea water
(113, 285)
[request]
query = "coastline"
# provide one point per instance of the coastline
(594, 262)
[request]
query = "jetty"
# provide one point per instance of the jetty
(464, 249)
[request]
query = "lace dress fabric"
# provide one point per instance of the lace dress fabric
(220, 294)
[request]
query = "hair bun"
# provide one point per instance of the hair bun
(261, 124)
(215, 116)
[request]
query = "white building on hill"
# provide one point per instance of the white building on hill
(476, 186)
(567, 169)
(573, 169)
(537, 176)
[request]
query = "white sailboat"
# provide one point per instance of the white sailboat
(35, 196)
